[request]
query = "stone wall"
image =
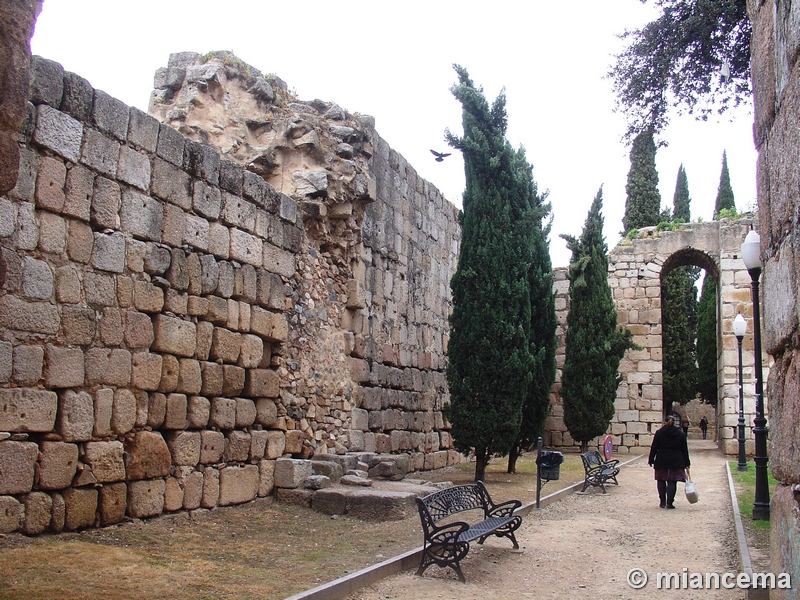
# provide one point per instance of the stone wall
(171, 324)
(776, 86)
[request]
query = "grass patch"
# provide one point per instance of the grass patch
(745, 485)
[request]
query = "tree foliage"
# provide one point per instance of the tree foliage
(543, 341)
(707, 341)
(679, 315)
(594, 344)
(681, 200)
(678, 322)
(724, 191)
(643, 198)
(490, 364)
(680, 59)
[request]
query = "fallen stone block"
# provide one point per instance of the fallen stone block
(295, 497)
(356, 480)
(317, 482)
(330, 469)
(329, 502)
(380, 505)
(291, 473)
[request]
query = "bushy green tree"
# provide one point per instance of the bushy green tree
(681, 199)
(707, 341)
(681, 60)
(543, 341)
(594, 343)
(724, 191)
(643, 198)
(490, 364)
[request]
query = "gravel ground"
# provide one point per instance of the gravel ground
(585, 545)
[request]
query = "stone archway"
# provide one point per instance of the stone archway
(636, 269)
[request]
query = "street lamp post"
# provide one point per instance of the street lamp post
(739, 329)
(751, 255)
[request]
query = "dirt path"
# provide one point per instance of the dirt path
(585, 546)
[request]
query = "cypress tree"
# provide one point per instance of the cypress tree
(707, 341)
(643, 198)
(724, 191)
(490, 363)
(681, 199)
(594, 344)
(679, 316)
(678, 310)
(543, 341)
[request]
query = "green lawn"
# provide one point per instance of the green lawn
(745, 484)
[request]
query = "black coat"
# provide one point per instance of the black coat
(669, 449)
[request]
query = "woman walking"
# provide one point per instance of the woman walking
(669, 455)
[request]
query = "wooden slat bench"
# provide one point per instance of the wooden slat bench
(598, 470)
(446, 545)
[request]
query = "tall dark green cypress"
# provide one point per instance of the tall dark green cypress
(679, 316)
(643, 198)
(594, 344)
(707, 341)
(681, 199)
(490, 365)
(724, 191)
(543, 341)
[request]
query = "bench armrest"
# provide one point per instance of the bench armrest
(446, 534)
(611, 463)
(504, 509)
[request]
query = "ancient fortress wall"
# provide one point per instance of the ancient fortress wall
(179, 324)
(776, 86)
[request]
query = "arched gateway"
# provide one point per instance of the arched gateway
(635, 273)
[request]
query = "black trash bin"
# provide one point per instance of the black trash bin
(549, 463)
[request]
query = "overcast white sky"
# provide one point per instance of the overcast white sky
(393, 61)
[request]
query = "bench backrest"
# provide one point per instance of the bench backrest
(456, 499)
(592, 459)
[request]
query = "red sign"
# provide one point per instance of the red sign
(608, 448)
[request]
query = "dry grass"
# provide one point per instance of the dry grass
(263, 549)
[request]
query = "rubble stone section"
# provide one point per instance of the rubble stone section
(181, 312)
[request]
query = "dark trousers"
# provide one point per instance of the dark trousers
(666, 491)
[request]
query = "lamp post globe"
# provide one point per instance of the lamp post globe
(739, 329)
(751, 256)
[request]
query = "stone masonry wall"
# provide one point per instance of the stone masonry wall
(171, 324)
(776, 86)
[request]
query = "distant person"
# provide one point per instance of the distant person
(685, 426)
(669, 455)
(704, 426)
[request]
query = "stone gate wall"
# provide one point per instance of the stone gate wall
(636, 268)
(171, 324)
(776, 87)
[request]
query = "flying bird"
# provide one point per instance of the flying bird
(439, 156)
